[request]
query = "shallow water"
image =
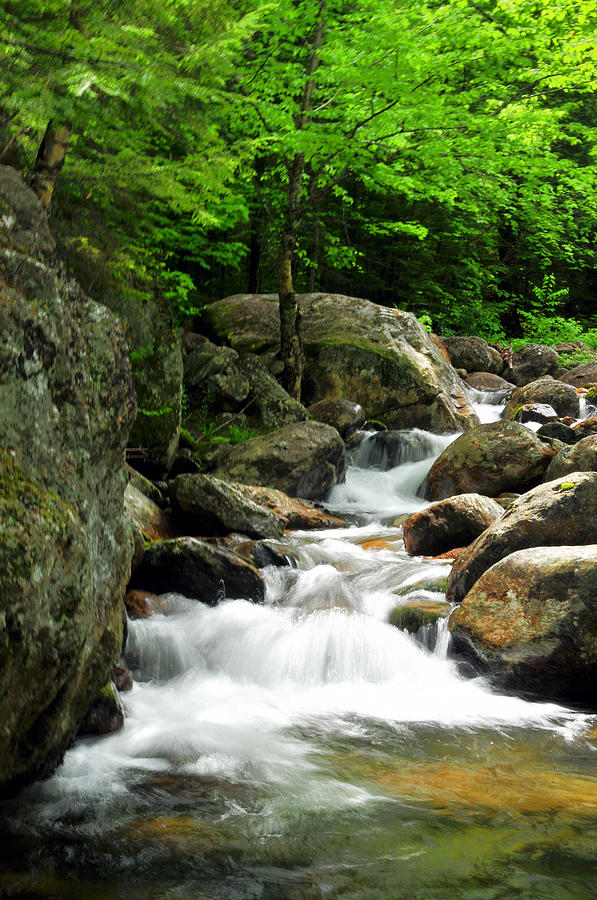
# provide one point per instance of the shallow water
(307, 749)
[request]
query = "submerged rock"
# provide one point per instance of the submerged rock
(531, 622)
(561, 512)
(491, 459)
(66, 406)
(451, 523)
(381, 358)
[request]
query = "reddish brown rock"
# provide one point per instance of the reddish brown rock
(448, 524)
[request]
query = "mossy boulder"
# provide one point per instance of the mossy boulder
(546, 390)
(66, 406)
(381, 358)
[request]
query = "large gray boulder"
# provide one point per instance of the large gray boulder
(303, 460)
(531, 362)
(473, 354)
(582, 375)
(66, 406)
(381, 358)
(545, 390)
(530, 621)
(561, 512)
(491, 459)
(451, 523)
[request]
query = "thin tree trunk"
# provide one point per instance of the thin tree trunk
(291, 348)
(49, 162)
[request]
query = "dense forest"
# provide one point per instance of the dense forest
(436, 156)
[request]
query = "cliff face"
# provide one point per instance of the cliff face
(66, 407)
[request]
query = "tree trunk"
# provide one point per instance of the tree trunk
(49, 162)
(291, 348)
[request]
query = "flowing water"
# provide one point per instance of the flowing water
(304, 748)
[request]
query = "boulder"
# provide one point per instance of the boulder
(451, 523)
(343, 415)
(208, 505)
(302, 460)
(486, 381)
(530, 363)
(491, 459)
(546, 390)
(387, 449)
(66, 406)
(270, 406)
(580, 457)
(561, 512)
(105, 715)
(142, 604)
(381, 358)
(582, 375)
(586, 427)
(155, 524)
(558, 431)
(412, 617)
(537, 413)
(530, 621)
(212, 377)
(473, 354)
(199, 570)
(293, 515)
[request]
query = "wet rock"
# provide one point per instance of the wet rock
(302, 460)
(199, 570)
(581, 376)
(412, 617)
(448, 524)
(559, 432)
(473, 354)
(154, 523)
(261, 554)
(581, 457)
(381, 358)
(122, 678)
(530, 363)
(66, 406)
(208, 505)
(105, 715)
(586, 427)
(486, 381)
(489, 460)
(293, 515)
(387, 449)
(546, 390)
(343, 415)
(531, 622)
(561, 512)
(539, 413)
(142, 604)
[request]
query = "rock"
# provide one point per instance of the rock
(582, 375)
(199, 570)
(531, 622)
(539, 413)
(105, 715)
(580, 457)
(303, 460)
(142, 604)
(545, 390)
(208, 505)
(66, 405)
(147, 487)
(412, 617)
(293, 515)
(559, 432)
(154, 523)
(561, 512)
(448, 524)
(473, 354)
(121, 676)
(270, 405)
(530, 363)
(212, 377)
(491, 459)
(486, 381)
(381, 358)
(387, 449)
(260, 554)
(586, 427)
(343, 415)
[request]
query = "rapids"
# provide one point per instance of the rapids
(304, 748)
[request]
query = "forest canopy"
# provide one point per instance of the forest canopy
(436, 156)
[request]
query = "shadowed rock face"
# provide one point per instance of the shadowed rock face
(531, 622)
(381, 358)
(66, 404)
(561, 512)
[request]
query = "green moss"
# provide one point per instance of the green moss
(567, 485)
(411, 618)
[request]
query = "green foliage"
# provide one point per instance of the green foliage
(237, 434)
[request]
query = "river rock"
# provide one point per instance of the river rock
(561, 512)
(105, 715)
(451, 523)
(293, 515)
(491, 459)
(581, 376)
(155, 524)
(537, 413)
(585, 428)
(531, 622)
(381, 358)
(530, 363)
(199, 570)
(473, 354)
(486, 381)
(559, 432)
(343, 415)
(387, 449)
(208, 505)
(302, 460)
(66, 407)
(580, 457)
(546, 390)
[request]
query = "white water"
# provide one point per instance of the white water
(248, 693)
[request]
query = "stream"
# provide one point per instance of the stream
(304, 748)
